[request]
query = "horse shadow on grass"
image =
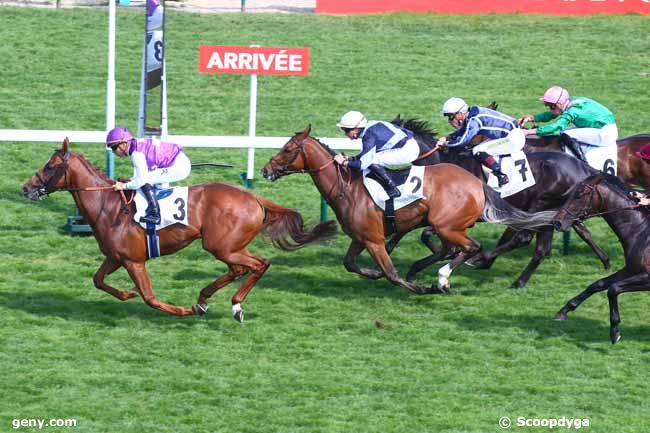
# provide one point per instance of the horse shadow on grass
(109, 313)
(580, 330)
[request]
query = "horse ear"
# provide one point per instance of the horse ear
(307, 130)
(493, 105)
(66, 144)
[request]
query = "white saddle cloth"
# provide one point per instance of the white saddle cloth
(517, 168)
(173, 208)
(412, 189)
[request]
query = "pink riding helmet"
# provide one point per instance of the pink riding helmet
(644, 153)
(555, 95)
(118, 135)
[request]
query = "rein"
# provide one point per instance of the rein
(284, 170)
(592, 190)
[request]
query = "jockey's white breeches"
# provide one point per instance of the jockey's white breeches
(179, 170)
(404, 155)
(511, 143)
(599, 137)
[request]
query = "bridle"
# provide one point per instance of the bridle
(591, 188)
(49, 186)
(283, 169)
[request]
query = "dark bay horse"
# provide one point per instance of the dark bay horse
(453, 201)
(226, 219)
(555, 174)
(607, 196)
(629, 167)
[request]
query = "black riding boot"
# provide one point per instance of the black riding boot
(490, 162)
(574, 147)
(380, 172)
(153, 211)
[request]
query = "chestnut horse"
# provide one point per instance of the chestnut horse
(226, 218)
(607, 196)
(453, 201)
(629, 167)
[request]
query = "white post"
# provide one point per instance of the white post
(252, 113)
(110, 85)
(163, 103)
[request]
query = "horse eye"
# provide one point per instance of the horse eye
(287, 151)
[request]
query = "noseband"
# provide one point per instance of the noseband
(48, 186)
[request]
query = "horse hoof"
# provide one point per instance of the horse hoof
(239, 316)
(443, 288)
(615, 336)
(560, 316)
(200, 309)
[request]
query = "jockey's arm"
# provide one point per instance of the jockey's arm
(140, 170)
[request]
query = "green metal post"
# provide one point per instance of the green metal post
(566, 240)
(243, 5)
(323, 210)
(110, 164)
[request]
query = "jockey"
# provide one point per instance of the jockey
(502, 133)
(382, 144)
(154, 162)
(594, 123)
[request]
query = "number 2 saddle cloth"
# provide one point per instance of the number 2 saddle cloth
(410, 183)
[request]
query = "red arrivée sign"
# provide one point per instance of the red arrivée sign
(253, 60)
(556, 7)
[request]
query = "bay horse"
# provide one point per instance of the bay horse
(555, 174)
(607, 196)
(629, 167)
(225, 218)
(453, 201)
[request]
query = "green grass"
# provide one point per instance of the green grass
(309, 357)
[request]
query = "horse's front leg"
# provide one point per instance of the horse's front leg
(634, 283)
(595, 287)
(509, 240)
(585, 234)
(138, 274)
(381, 257)
(542, 249)
(107, 267)
(350, 261)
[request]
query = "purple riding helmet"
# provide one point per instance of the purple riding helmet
(116, 136)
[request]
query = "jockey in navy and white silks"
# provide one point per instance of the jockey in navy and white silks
(383, 144)
(502, 132)
(154, 162)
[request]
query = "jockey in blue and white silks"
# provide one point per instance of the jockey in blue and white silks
(383, 144)
(502, 132)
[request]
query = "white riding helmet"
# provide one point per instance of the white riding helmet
(454, 105)
(353, 119)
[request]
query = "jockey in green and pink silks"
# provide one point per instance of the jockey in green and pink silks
(594, 125)
(154, 162)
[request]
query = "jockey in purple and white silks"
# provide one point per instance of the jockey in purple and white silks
(382, 144)
(502, 133)
(154, 162)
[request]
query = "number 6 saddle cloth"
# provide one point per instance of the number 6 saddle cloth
(410, 183)
(173, 206)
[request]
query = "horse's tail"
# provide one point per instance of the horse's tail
(499, 211)
(281, 223)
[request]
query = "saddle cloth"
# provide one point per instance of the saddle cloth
(410, 183)
(173, 206)
(603, 158)
(517, 168)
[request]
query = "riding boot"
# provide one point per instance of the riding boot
(490, 162)
(574, 146)
(153, 211)
(381, 174)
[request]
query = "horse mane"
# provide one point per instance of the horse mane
(417, 127)
(325, 146)
(616, 184)
(98, 171)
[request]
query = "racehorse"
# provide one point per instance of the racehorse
(555, 173)
(629, 167)
(453, 201)
(226, 219)
(607, 196)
